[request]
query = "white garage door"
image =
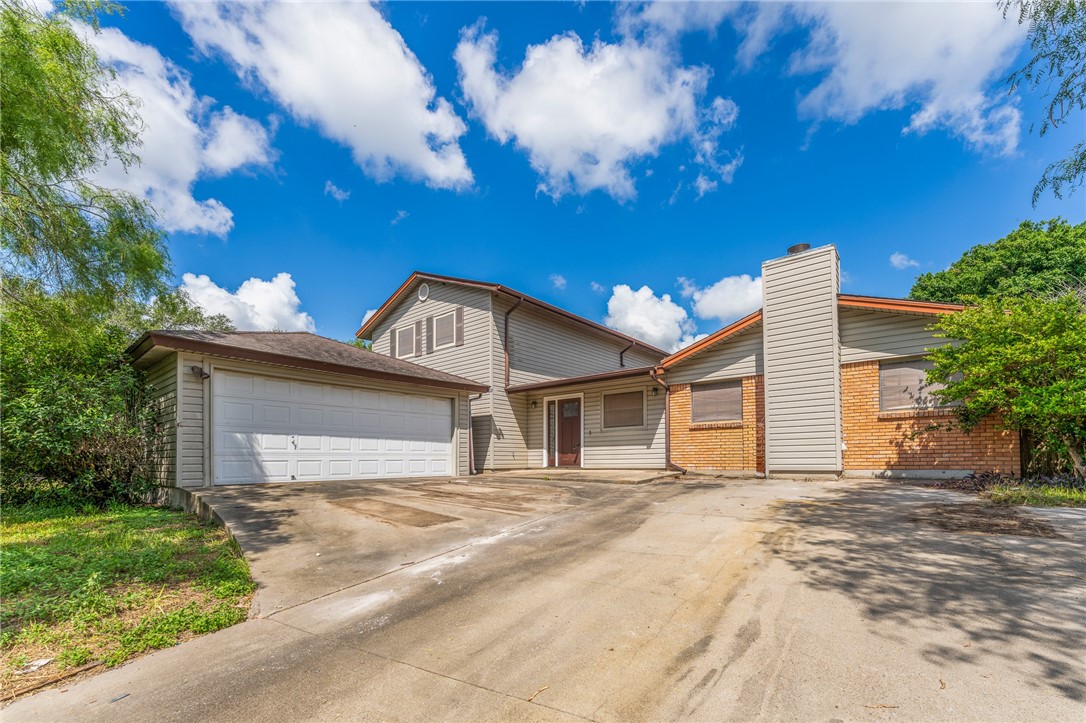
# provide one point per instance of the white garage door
(278, 430)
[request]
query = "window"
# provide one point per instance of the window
(626, 409)
(717, 402)
(904, 385)
(405, 341)
(444, 330)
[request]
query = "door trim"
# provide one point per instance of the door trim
(555, 398)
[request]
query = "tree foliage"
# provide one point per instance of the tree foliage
(78, 421)
(1024, 359)
(1035, 258)
(1057, 35)
(63, 118)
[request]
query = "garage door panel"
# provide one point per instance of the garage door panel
(267, 429)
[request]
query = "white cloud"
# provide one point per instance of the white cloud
(366, 317)
(598, 288)
(940, 58)
(901, 261)
(729, 299)
(558, 281)
(345, 69)
(182, 140)
(643, 315)
(704, 185)
(670, 18)
(331, 189)
(400, 216)
(585, 115)
(686, 341)
(257, 305)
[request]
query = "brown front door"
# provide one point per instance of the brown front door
(569, 432)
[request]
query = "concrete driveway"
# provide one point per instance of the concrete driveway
(708, 600)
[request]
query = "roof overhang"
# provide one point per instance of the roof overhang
(587, 379)
(151, 341)
(732, 329)
(900, 306)
(367, 328)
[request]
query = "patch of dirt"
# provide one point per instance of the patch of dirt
(517, 500)
(393, 514)
(984, 519)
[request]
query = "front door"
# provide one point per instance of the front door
(569, 432)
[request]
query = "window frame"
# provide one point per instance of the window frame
(718, 383)
(927, 389)
(399, 343)
(451, 315)
(603, 409)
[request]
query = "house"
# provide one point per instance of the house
(563, 390)
(467, 376)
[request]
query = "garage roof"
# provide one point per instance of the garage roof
(298, 349)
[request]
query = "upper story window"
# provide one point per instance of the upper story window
(625, 409)
(405, 341)
(717, 402)
(445, 330)
(904, 385)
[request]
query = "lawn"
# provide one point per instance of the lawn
(82, 587)
(1037, 495)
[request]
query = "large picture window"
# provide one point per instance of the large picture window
(626, 409)
(904, 385)
(717, 402)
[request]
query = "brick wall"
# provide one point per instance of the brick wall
(726, 446)
(905, 440)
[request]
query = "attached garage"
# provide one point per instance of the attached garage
(250, 407)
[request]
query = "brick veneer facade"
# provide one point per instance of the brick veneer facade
(902, 440)
(724, 446)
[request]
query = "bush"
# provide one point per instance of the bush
(77, 424)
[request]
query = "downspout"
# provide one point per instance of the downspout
(505, 342)
(622, 353)
(471, 436)
(667, 423)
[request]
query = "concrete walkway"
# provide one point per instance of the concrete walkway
(576, 474)
(710, 600)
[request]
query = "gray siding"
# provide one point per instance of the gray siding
(194, 449)
(472, 361)
(802, 362)
(625, 448)
(870, 335)
(163, 378)
(544, 347)
(508, 448)
(736, 356)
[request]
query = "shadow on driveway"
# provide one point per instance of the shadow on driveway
(936, 559)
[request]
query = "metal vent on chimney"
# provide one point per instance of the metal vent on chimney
(798, 249)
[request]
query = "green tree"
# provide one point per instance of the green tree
(1034, 258)
(1023, 358)
(62, 120)
(1057, 36)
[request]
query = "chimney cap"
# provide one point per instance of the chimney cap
(798, 248)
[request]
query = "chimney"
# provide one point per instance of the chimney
(802, 352)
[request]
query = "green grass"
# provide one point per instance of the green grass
(79, 586)
(1036, 496)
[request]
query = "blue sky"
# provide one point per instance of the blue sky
(306, 158)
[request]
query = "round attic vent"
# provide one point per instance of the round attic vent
(424, 292)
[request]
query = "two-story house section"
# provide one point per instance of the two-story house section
(564, 391)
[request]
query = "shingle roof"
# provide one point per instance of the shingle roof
(301, 350)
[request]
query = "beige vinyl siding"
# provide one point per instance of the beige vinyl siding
(734, 357)
(507, 448)
(545, 347)
(802, 361)
(638, 357)
(871, 335)
(193, 453)
(162, 376)
(472, 360)
(621, 448)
